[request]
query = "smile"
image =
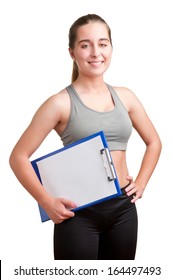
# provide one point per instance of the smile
(95, 62)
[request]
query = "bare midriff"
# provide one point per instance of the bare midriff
(119, 160)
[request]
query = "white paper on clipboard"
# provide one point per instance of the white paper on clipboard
(80, 172)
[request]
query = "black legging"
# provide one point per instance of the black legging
(107, 230)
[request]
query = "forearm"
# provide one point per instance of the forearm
(148, 164)
(56, 208)
(26, 175)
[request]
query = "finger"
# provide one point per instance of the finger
(138, 194)
(63, 216)
(65, 213)
(131, 190)
(135, 198)
(69, 214)
(57, 221)
(129, 178)
(68, 203)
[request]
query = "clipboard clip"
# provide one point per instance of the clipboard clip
(108, 164)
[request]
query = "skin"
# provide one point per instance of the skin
(92, 53)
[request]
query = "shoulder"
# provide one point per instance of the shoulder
(124, 92)
(58, 101)
(127, 97)
(54, 107)
(58, 98)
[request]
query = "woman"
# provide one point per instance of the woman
(107, 230)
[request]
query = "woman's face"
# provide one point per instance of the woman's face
(93, 50)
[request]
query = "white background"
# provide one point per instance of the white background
(34, 64)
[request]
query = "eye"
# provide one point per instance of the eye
(103, 45)
(85, 46)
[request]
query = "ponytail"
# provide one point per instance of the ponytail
(75, 72)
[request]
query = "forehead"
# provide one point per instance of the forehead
(92, 31)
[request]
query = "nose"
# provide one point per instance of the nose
(95, 51)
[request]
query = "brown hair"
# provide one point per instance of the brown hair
(73, 34)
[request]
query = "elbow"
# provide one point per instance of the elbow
(12, 160)
(159, 145)
(17, 160)
(156, 146)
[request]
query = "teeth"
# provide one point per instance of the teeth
(95, 62)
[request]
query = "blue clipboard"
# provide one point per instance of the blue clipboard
(82, 172)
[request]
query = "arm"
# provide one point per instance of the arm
(149, 135)
(47, 117)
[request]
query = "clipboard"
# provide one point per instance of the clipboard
(82, 172)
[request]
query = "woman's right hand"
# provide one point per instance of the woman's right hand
(58, 209)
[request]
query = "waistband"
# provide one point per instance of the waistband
(123, 188)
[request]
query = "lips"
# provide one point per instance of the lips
(97, 63)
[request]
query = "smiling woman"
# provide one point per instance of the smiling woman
(107, 230)
(95, 42)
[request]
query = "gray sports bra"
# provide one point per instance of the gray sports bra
(84, 121)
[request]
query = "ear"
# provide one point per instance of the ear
(71, 53)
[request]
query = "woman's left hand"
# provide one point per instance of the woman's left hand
(134, 189)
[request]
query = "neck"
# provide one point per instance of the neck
(90, 84)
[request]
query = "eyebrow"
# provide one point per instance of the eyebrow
(87, 40)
